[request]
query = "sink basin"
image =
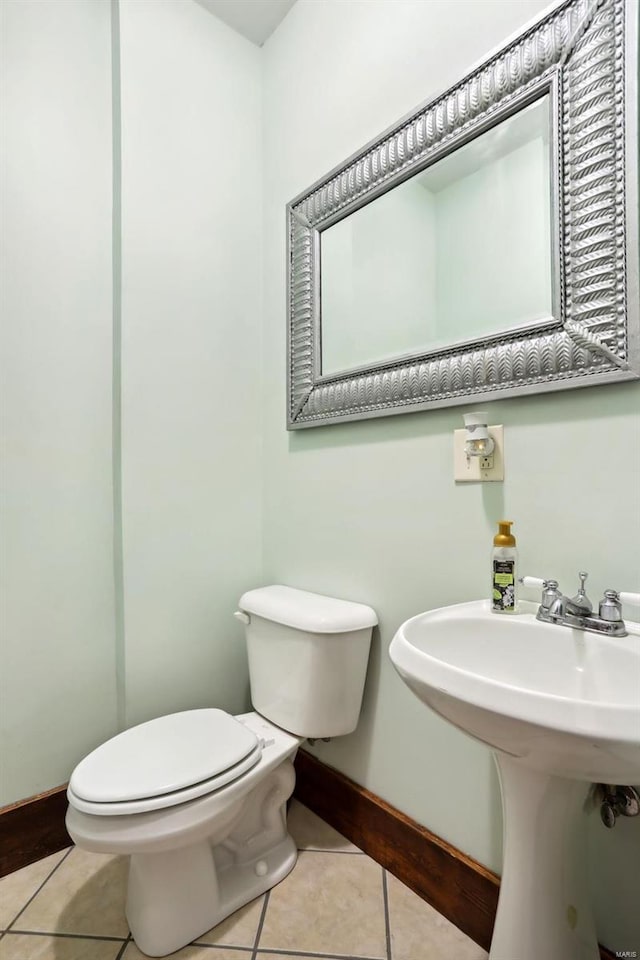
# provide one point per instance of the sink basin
(561, 700)
(561, 709)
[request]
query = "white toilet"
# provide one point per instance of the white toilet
(197, 799)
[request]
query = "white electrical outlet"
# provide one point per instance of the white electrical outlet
(477, 469)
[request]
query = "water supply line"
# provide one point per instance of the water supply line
(616, 801)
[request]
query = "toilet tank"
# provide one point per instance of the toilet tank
(307, 659)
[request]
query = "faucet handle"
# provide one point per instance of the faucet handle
(610, 608)
(551, 594)
(532, 582)
(550, 591)
(631, 598)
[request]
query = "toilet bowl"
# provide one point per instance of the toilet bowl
(194, 862)
(197, 799)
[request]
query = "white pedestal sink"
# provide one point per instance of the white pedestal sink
(561, 709)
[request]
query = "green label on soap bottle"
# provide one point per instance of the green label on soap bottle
(504, 593)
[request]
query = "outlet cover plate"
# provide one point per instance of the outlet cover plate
(468, 470)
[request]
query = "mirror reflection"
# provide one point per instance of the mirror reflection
(460, 251)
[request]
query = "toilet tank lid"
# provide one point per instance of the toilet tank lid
(302, 610)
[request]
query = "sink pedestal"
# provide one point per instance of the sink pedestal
(560, 709)
(543, 909)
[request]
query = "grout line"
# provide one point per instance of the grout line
(260, 925)
(316, 956)
(244, 951)
(221, 946)
(35, 894)
(387, 921)
(343, 853)
(123, 948)
(63, 936)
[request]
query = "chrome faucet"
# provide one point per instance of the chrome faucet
(578, 606)
(577, 611)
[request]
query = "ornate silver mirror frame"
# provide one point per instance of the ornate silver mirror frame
(584, 54)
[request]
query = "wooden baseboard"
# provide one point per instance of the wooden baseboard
(32, 829)
(459, 888)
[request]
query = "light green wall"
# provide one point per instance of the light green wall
(57, 679)
(179, 326)
(369, 511)
(191, 443)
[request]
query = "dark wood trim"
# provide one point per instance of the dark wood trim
(32, 829)
(459, 888)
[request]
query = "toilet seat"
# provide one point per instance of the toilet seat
(164, 762)
(146, 804)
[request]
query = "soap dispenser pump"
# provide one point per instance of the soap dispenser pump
(503, 569)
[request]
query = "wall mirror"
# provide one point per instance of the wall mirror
(486, 245)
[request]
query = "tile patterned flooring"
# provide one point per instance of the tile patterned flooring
(336, 904)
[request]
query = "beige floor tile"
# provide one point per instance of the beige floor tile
(190, 953)
(419, 931)
(238, 930)
(17, 888)
(85, 895)
(329, 903)
(312, 833)
(23, 947)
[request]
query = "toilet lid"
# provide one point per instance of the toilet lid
(162, 756)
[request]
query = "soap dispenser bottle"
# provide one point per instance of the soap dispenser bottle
(503, 569)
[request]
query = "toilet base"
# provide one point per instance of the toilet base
(175, 896)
